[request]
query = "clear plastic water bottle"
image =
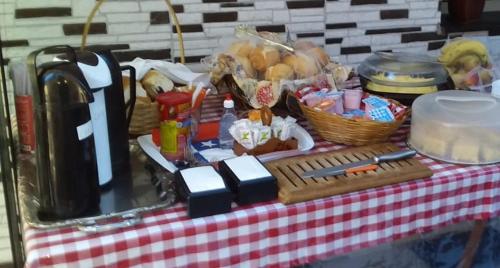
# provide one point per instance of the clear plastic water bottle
(225, 139)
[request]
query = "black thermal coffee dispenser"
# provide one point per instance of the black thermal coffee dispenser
(67, 179)
(82, 125)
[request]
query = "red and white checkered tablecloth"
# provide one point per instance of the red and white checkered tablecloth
(276, 235)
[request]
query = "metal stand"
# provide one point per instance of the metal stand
(8, 171)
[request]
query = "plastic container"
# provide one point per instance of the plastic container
(174, 124)
(457, 126)
(402, 76)
(226, 140)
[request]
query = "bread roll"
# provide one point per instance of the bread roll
(155, 82)
(319, 55)
(246, 65)
(241, 48)
(278, 72)
(303, 45)
(303, 65)
(263, 57)
(141, 94)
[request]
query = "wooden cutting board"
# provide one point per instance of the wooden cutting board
(293, 188)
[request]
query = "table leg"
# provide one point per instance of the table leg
(473, 243)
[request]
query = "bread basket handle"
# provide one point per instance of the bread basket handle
(131, 103)
(441, 100)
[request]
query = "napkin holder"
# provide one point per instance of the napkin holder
(247, 190)
(206, 202)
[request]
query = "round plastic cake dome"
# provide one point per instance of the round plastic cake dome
(457, 126)
(403, 69)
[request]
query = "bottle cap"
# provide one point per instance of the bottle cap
(228, 102)
(495, 89)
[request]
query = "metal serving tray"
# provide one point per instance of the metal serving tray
(149, 187)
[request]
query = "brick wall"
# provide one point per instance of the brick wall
(349, 29)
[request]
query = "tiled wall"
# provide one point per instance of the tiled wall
(348, 29)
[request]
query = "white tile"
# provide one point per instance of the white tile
(255, 15)
(302, 27)
(282, 16)
(422, 13)
(56, 20)
(201, 7)
(353, 16)
(351, 41)
(331, 7)
(157, 5)
(126, 17)
(333, 50)
(42, 3)
(125, 28)
(218, 31)
(6, 8)
(307, 12)
(80, 8)
(143, 37)
(189, 18)
(307, 18)
(270, 5)
(119, 6)
(384, 39)
(26, 32)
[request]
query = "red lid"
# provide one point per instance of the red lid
(173, 98)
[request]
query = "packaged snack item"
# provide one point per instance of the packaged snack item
(352, 98)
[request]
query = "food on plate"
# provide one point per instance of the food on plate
(263, 57)
(154, 82)
(490, 154)
(266, 94)
(401, 79)
(241, 48)
(278, 72)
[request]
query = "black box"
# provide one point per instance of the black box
(203, 200)
(248, 179)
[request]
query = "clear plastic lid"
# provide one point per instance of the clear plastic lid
(403, 69)
(458, 108)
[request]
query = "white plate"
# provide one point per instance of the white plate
(305, 143)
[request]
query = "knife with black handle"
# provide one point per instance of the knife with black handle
(342, 169)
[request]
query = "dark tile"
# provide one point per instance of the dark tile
(43, 12)
(331, 26)
(367, 2)
(333, 41)
(15, 43)
(385, 50)
(394, 14)
(424, 36)
(178, 8)
(5, 61)
(271, 28)
(306, 35)
(190, 59)
(248, 4)
(355, 50)
(393, 30)
(59, 50)
(159, 54)
(305, 4)
(189, 28)
(77, 28)
(435, 45)
(219, 1)
(159, 17)
(220, 16)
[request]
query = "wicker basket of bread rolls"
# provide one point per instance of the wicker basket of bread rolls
(257, 73)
